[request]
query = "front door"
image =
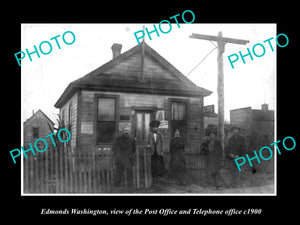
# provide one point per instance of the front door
(141, 132)
(142, 127)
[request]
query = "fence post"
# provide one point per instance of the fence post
(111, 169)
(56, 168)
(137, 167)
(31, 175)
(61, 178)
(94, 171)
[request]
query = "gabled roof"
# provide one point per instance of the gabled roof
(36, 114)
(123, 74)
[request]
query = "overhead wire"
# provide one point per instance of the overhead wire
(201, 61)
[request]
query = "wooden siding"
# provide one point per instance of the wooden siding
(40, 121)
(129, 102)
(71, 104)
(131, 66)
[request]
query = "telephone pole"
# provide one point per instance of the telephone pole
(221, 41)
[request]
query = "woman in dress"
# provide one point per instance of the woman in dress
(177, 163)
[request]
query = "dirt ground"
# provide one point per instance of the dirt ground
(195, 182)
(257, 183)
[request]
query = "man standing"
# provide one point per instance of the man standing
(236, 148)
(124, 149)
(213, 150)
(155, 143)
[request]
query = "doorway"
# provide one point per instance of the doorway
(142, 127)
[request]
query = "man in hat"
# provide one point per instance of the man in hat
(155, 142)
(236, 148)
(124, 148)
(213, 150)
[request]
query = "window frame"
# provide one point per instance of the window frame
(96, 121)
(185, 113)
(170, 116)
(33, 132)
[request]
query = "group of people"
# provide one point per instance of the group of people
(124, 149)
(213, 150)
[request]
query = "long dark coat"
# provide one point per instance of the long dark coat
(156, 148)
(124, 150)
(213, 156)
(177, 162)
(236, 145)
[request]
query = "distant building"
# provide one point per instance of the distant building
(256, 122)
(37, 126)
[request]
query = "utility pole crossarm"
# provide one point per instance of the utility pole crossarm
(217, 39)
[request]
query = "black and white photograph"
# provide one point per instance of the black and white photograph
(132, 112)
(149, 109)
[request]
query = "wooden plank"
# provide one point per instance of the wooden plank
(89, 173)
(65, 162)
(38, 173)
(102, 180)
(76, 174)
(47, 170)
(93, 171)
(31, 175)
(137, 168)
(56, 163)
(98, 181)
(61, 179)
(111, 165)
(25, 176)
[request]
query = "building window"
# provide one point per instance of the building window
(179, 118)
(35, 132)
(178, 111)
(106, 120)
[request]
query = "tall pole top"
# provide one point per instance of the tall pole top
(219, 38)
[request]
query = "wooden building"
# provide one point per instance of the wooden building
(37, 126)
(132, 89)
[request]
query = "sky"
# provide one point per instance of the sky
(247, 85)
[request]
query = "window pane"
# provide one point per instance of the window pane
(174, 111)
(106, 109)
(139, 126)
(181, 111)
(147, 126)
(35, 132)
(105, 132)
(178, 110)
